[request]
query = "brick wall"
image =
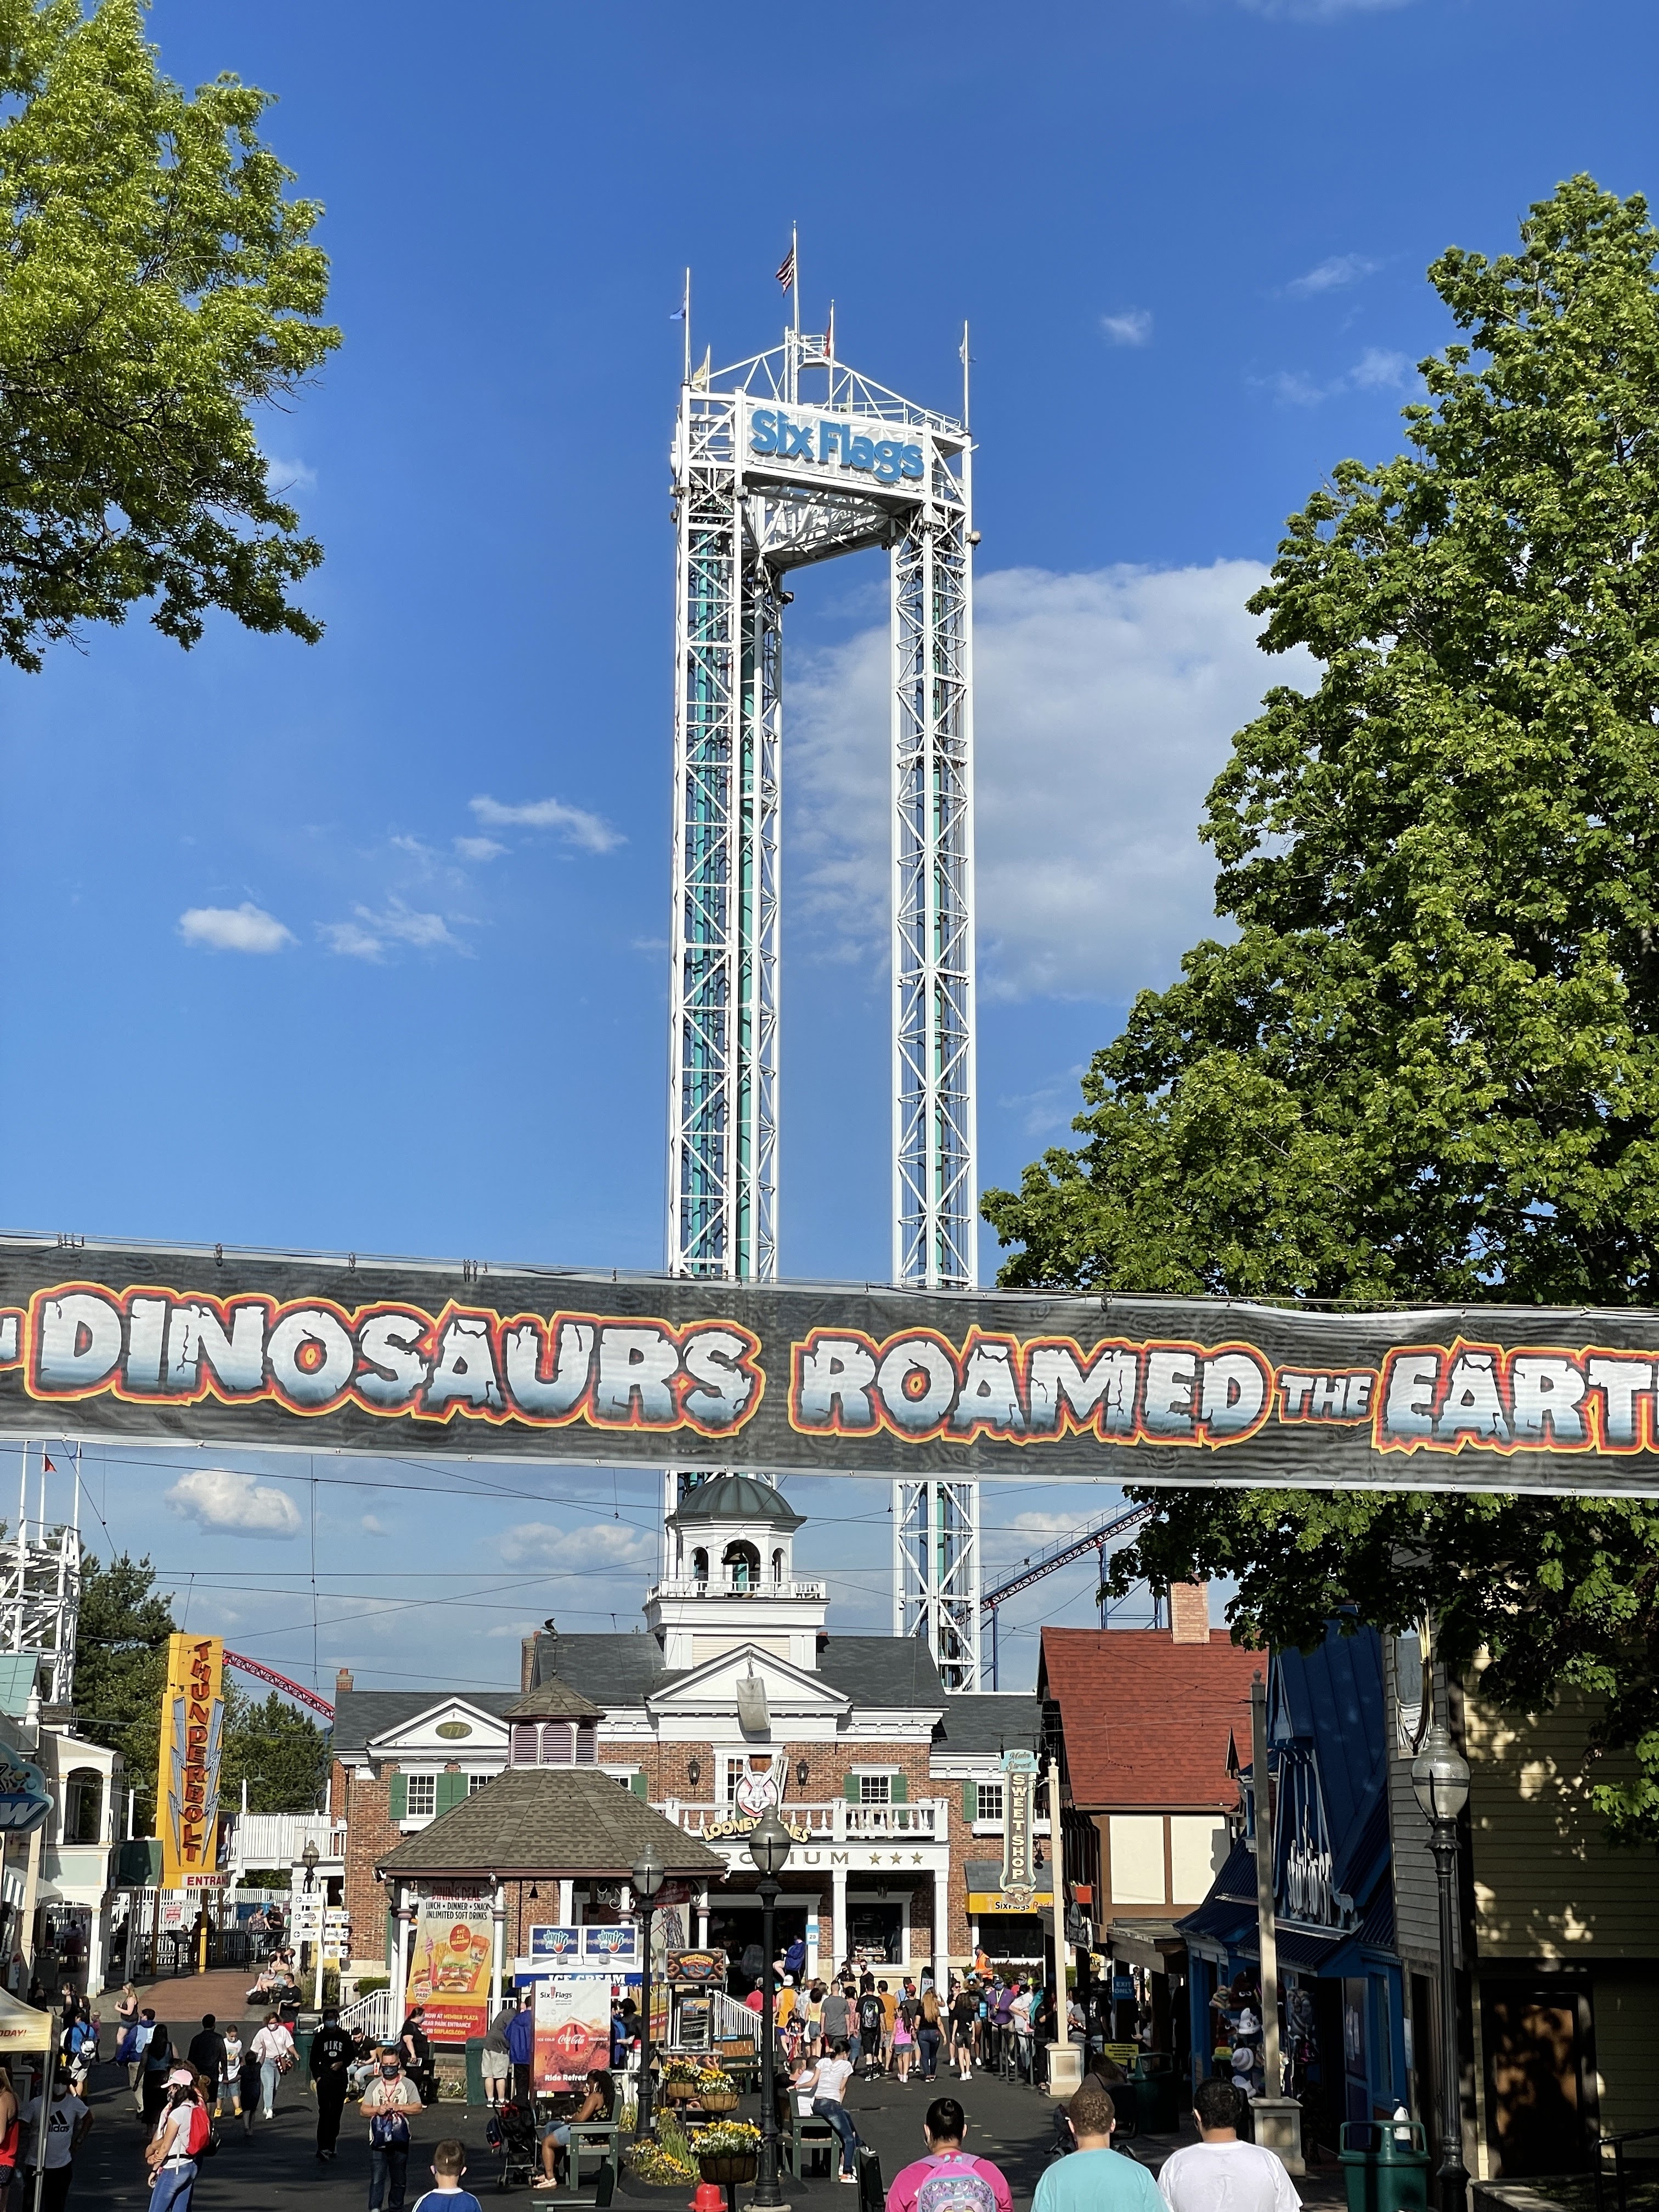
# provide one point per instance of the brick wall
(370, 1834)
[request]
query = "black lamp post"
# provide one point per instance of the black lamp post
(646, 1878)
(1440, 1775)
(768, 1847)
(313, 1946)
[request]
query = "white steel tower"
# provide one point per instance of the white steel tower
(40, 1579)
(783, 459)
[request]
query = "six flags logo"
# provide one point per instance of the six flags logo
(157, 1346)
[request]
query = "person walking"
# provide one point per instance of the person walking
(964, 2012)
(180, 2133)
(67, 2122)
(247, 2089)
(521, 2049)
(157, 2065)
(387, 2104)
(825, 2082)
(835, 2018)
(331, 2056)
(904, 2037)
(1094, 2179)
(948, 2175)
(207, 2054)
(872, 2024)
(930, 2033)
(1219, 2170)
(231, 2082)
(10, 2135)
(273, 2047)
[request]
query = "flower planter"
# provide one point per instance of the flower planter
(729, 2168)
(677, 2093)
(728, 2103)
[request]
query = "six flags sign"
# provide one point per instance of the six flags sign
(215, 1347)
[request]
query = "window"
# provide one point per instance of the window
(475, 1781)
(558, 1744)
(422, 1797)
(875, 1789)
(83, 1805)
(588, 1745)
(990, 1801)
(777, 1567)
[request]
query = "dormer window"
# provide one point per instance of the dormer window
(558, 1744)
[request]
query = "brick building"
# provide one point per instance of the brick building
(733, 1695)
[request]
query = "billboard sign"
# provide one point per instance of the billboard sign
(187, 1781)
(269, 1351)
(571, 2029)
(449, 1966)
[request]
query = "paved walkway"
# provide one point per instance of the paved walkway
(181, 1999)
(277, 2170)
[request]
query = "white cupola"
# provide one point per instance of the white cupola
(732, 1583)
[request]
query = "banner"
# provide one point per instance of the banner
(449, 1966)
(187, 1781)
(215, 1347)
(573, 2030)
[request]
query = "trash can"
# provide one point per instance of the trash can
(1157, 2094)
(475, 2089)
(303, 2034)
(1385, 2164)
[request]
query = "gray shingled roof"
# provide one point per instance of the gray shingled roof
(625, 1669)
(360, 1716)
(992, 1720)
(554, 1700)
(542, 1820)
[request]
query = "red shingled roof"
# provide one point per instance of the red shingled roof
(1147, 1721)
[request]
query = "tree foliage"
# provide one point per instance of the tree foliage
(1426, 1065)
(120, 1676)
(155, 286)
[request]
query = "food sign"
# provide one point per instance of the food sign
(449, 1966)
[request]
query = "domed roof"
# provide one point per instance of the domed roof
(736, 1497)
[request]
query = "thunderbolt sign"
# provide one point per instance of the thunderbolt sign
(822, 438)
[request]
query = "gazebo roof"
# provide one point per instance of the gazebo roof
(548, 1821)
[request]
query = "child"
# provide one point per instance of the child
(448, 2165)
(232, 2079)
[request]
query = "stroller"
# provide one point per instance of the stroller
(511, 2134)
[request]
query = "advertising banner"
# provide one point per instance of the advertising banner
(555, 1947)
(187, 1781)
(213, 1346)
(449, 1966)
(572, 2029)
(1020, 1775)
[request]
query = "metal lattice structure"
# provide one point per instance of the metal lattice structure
(784, 459)
(41, 1577)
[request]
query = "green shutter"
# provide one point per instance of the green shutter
(452, 1790)
(637, 1784)
(850, 1789)
(898, 1789)
(400, 1796)
(970, 1800)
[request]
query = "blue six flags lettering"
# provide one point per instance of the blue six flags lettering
(154, 1346)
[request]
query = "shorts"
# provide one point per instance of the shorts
(496, 2066)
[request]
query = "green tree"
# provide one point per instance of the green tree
(1426, 1066)
(121, 1669)
(157, 286)
(281, 1752)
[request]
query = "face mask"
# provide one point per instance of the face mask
(388, 2073)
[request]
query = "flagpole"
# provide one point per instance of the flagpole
(685, 310)
(794, 260)
(964, 374)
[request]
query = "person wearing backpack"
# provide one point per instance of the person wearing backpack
(949, 2180)
(67, 2122)
(871, 2023)
(181, 2137)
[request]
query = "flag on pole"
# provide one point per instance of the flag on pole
(48, 1464)
(679, 315)
(786, 270)
(829, 334)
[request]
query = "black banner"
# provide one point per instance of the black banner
(217, 1346)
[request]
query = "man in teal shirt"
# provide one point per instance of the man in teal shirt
(1095, 2178)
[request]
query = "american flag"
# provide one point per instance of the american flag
(786, 271)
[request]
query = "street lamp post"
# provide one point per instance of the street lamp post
(647, 1879)
(313, 1945)
(768, 1847)
(1440, 1775)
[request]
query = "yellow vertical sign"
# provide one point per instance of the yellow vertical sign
(187, 1785)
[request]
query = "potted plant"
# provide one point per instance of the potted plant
(716, 2091)
(729, 2152)
(665, 2161)
(679, 2080)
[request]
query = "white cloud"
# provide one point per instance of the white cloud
(606, 1544)
(283, 476)
(479, 848)
(1107, 702)
(220, 1499)
(373, 1527)
(244, 928)
(1378, 369)
(1340, 269)
(1133, 327)
(591, 831)
(1299, 389)
(368, 935)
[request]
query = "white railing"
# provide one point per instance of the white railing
(700, 1586)
(276, 1839)
(835, 1822)
(733, 2020)
(372, 2015)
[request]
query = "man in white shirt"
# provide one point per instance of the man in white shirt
(1218, 2173)
(66, 2127)
(824, 2081)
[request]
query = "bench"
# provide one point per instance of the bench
(809, 2137)
(595, 2139)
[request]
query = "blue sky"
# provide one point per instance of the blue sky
(1190, 239)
